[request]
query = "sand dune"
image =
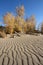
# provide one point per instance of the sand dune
(23, 50)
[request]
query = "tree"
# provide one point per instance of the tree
(19, 23)
(42, 27)
(31, 23)
(20, 10)
(9, 20)
(19, 19)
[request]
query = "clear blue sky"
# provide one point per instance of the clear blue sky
(32, 7)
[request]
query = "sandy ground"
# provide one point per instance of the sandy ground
(23, 50)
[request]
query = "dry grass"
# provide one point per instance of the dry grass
(2, 34)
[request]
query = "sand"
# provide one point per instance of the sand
(23, 50)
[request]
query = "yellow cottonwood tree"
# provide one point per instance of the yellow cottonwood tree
(20, 10)
(31, 23)
(9, 20)
(19, 20)
(19, 23)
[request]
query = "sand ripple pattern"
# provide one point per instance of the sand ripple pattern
(24, 50)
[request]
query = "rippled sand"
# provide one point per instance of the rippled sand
(23, 50)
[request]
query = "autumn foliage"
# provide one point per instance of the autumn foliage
(9, 21)
(31, 24)
(18, 23)
(20, 10)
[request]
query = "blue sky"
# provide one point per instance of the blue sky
(32, 7)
